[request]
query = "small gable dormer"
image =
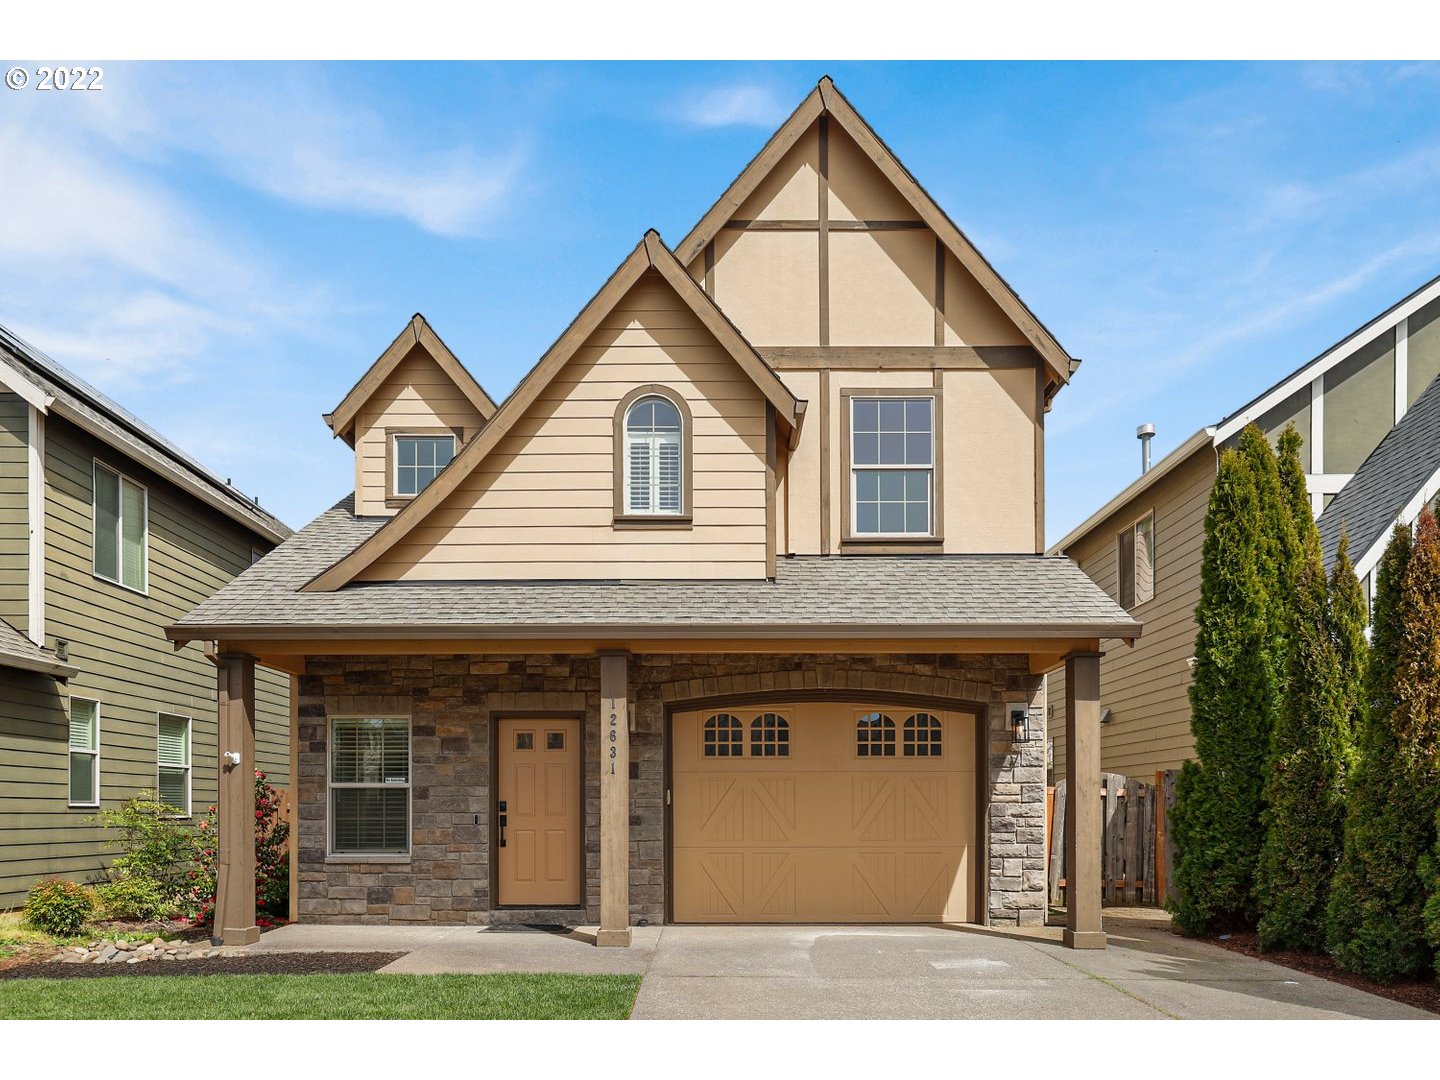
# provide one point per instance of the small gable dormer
(407, 418)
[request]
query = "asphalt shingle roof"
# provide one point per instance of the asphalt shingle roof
(18, 651)
(958, 593)
(1389, 478)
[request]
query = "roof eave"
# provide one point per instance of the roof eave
(38, 665)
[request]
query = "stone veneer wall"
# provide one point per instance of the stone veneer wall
(451, 701)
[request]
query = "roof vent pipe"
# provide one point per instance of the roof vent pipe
(1145, 432)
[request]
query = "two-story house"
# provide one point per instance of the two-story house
(108, 533)
(735, 610)
(1369, 411)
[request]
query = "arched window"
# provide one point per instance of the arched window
(875, 736)
(922, 736)
(655, 466)
(723, 736)
(769, 736)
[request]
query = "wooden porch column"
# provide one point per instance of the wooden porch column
(1082, 811)
(235, 884)
(614, 799)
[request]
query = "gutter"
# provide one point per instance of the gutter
(39, 665)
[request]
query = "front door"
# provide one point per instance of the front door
(538, 813)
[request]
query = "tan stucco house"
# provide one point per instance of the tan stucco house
(734, 611)
(1369, 411)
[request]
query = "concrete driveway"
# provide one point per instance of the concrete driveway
(890, 972)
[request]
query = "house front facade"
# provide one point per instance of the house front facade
(734, 611)
(108, 533)
(1367, 410)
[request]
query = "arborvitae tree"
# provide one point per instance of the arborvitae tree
(1304, 814)
(1302, 539)
(1348, 620)
(1373, 917)
(1216, 820)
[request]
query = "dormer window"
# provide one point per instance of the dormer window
(417, 459)
(653, 458)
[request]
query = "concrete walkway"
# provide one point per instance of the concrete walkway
(887, 972)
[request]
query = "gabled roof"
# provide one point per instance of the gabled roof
(892, 596)
(18, 651)
(1394, 476)
(826, 99)
(51, 388)
(650, 254)
(417, 332)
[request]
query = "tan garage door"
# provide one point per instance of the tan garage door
(823, 812)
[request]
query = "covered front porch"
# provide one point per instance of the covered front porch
(623, 696)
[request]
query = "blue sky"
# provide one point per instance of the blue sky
(225, 249)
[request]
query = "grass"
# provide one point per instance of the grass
(322, 997)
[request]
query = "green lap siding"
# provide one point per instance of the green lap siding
(116, 639)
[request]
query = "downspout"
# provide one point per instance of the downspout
(35, 558)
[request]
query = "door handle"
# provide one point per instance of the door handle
(504, 817)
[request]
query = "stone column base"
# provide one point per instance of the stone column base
(1084, 939)
(613, 939)
(236, 935)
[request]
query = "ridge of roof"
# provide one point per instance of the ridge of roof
(417, 331)
(827, 99)
(650, 253)
(84, 405)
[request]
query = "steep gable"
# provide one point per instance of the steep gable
(533, 495)
(825, 240)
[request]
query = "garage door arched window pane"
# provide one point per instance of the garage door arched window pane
(922, 736)
(769, 736)
(723, 736)
(875, 736)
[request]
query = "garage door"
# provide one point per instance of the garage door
(822, 812)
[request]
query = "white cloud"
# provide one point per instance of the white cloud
(741, 104)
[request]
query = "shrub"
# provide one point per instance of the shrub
(59, 907)
(130, 896)
(272, 864)
(158, 846)
(1216, 820)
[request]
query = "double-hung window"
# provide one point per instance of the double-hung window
(418, 460)
(84, 752)
(1136, 552)
(892, 466)
(121, 531)
(370, 786)
(172, 771)
(654, 469)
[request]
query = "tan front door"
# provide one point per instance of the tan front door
(538, 803)
(823, 812)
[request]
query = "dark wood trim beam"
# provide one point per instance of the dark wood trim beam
(818, 224)
(902, 357)
(822, 225)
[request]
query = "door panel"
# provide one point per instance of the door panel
(539, 783)
(824, 833)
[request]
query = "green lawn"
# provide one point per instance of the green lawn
(321, 997)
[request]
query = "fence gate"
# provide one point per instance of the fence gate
(1135, 854)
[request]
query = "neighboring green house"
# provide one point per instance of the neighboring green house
(108, 533)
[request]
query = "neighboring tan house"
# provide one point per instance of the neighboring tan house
(734, 611)
(108, 533)
(1143, 546)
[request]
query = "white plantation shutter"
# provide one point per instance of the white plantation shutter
(667, 495)
(639, 481)
(82, 724)
(172, 781)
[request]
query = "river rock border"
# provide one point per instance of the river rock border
(119, 951)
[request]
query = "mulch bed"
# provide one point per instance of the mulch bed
(1421, 995)
(297, 963)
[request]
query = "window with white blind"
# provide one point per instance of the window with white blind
(370, 786)
(654, 458)
(1136, 557)
(84, 752)
(172, 773)
(121, 529)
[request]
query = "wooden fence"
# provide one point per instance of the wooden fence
(1136, 853)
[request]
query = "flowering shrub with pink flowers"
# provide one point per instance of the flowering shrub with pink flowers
(272, 864)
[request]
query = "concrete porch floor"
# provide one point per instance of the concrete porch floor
(883, 972)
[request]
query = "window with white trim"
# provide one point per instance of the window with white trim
(892, 466)
(370, 786)
(1136, 556)
(84, 752)
(419, 459)
(654, 465)
(172, 762)
(121, 529)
